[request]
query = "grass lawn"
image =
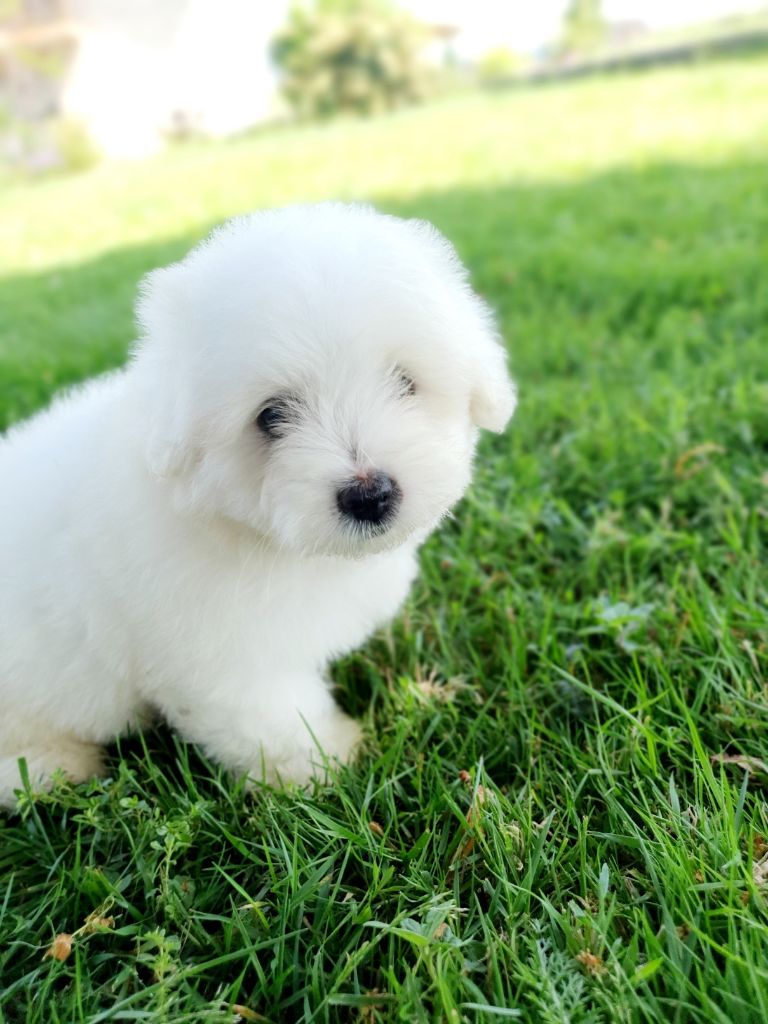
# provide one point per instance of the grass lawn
(560, 815)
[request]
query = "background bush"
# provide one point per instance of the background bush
(359, 56)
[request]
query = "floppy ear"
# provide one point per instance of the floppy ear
(493, 396)
(173, 447)
(173, 433)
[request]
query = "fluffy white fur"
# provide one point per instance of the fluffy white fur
(161, 555)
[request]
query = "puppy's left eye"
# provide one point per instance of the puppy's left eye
(273, 418)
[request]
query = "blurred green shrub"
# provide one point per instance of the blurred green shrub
(76, 149)
(34, 149)
(499, 64)
(358, 56)
(583, 27)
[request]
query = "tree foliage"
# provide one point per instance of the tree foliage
(583, 26)
(360, 56)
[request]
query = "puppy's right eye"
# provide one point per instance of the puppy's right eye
(404, 382)
(273, 418)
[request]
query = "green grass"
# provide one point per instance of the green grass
(542, 826)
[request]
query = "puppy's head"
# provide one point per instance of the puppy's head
(319, 373)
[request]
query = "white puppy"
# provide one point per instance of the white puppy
(198, 534)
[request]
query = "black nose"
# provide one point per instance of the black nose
(370, 499)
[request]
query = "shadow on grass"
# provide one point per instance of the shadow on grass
(570, 268)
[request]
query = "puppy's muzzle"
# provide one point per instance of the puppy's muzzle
(370, 499)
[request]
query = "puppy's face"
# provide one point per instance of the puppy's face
(319, 374)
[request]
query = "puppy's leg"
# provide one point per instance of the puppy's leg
(71, 757)
(279, 733)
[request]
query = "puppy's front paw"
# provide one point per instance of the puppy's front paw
(61, 756)
(340, 738)
(333, 738)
